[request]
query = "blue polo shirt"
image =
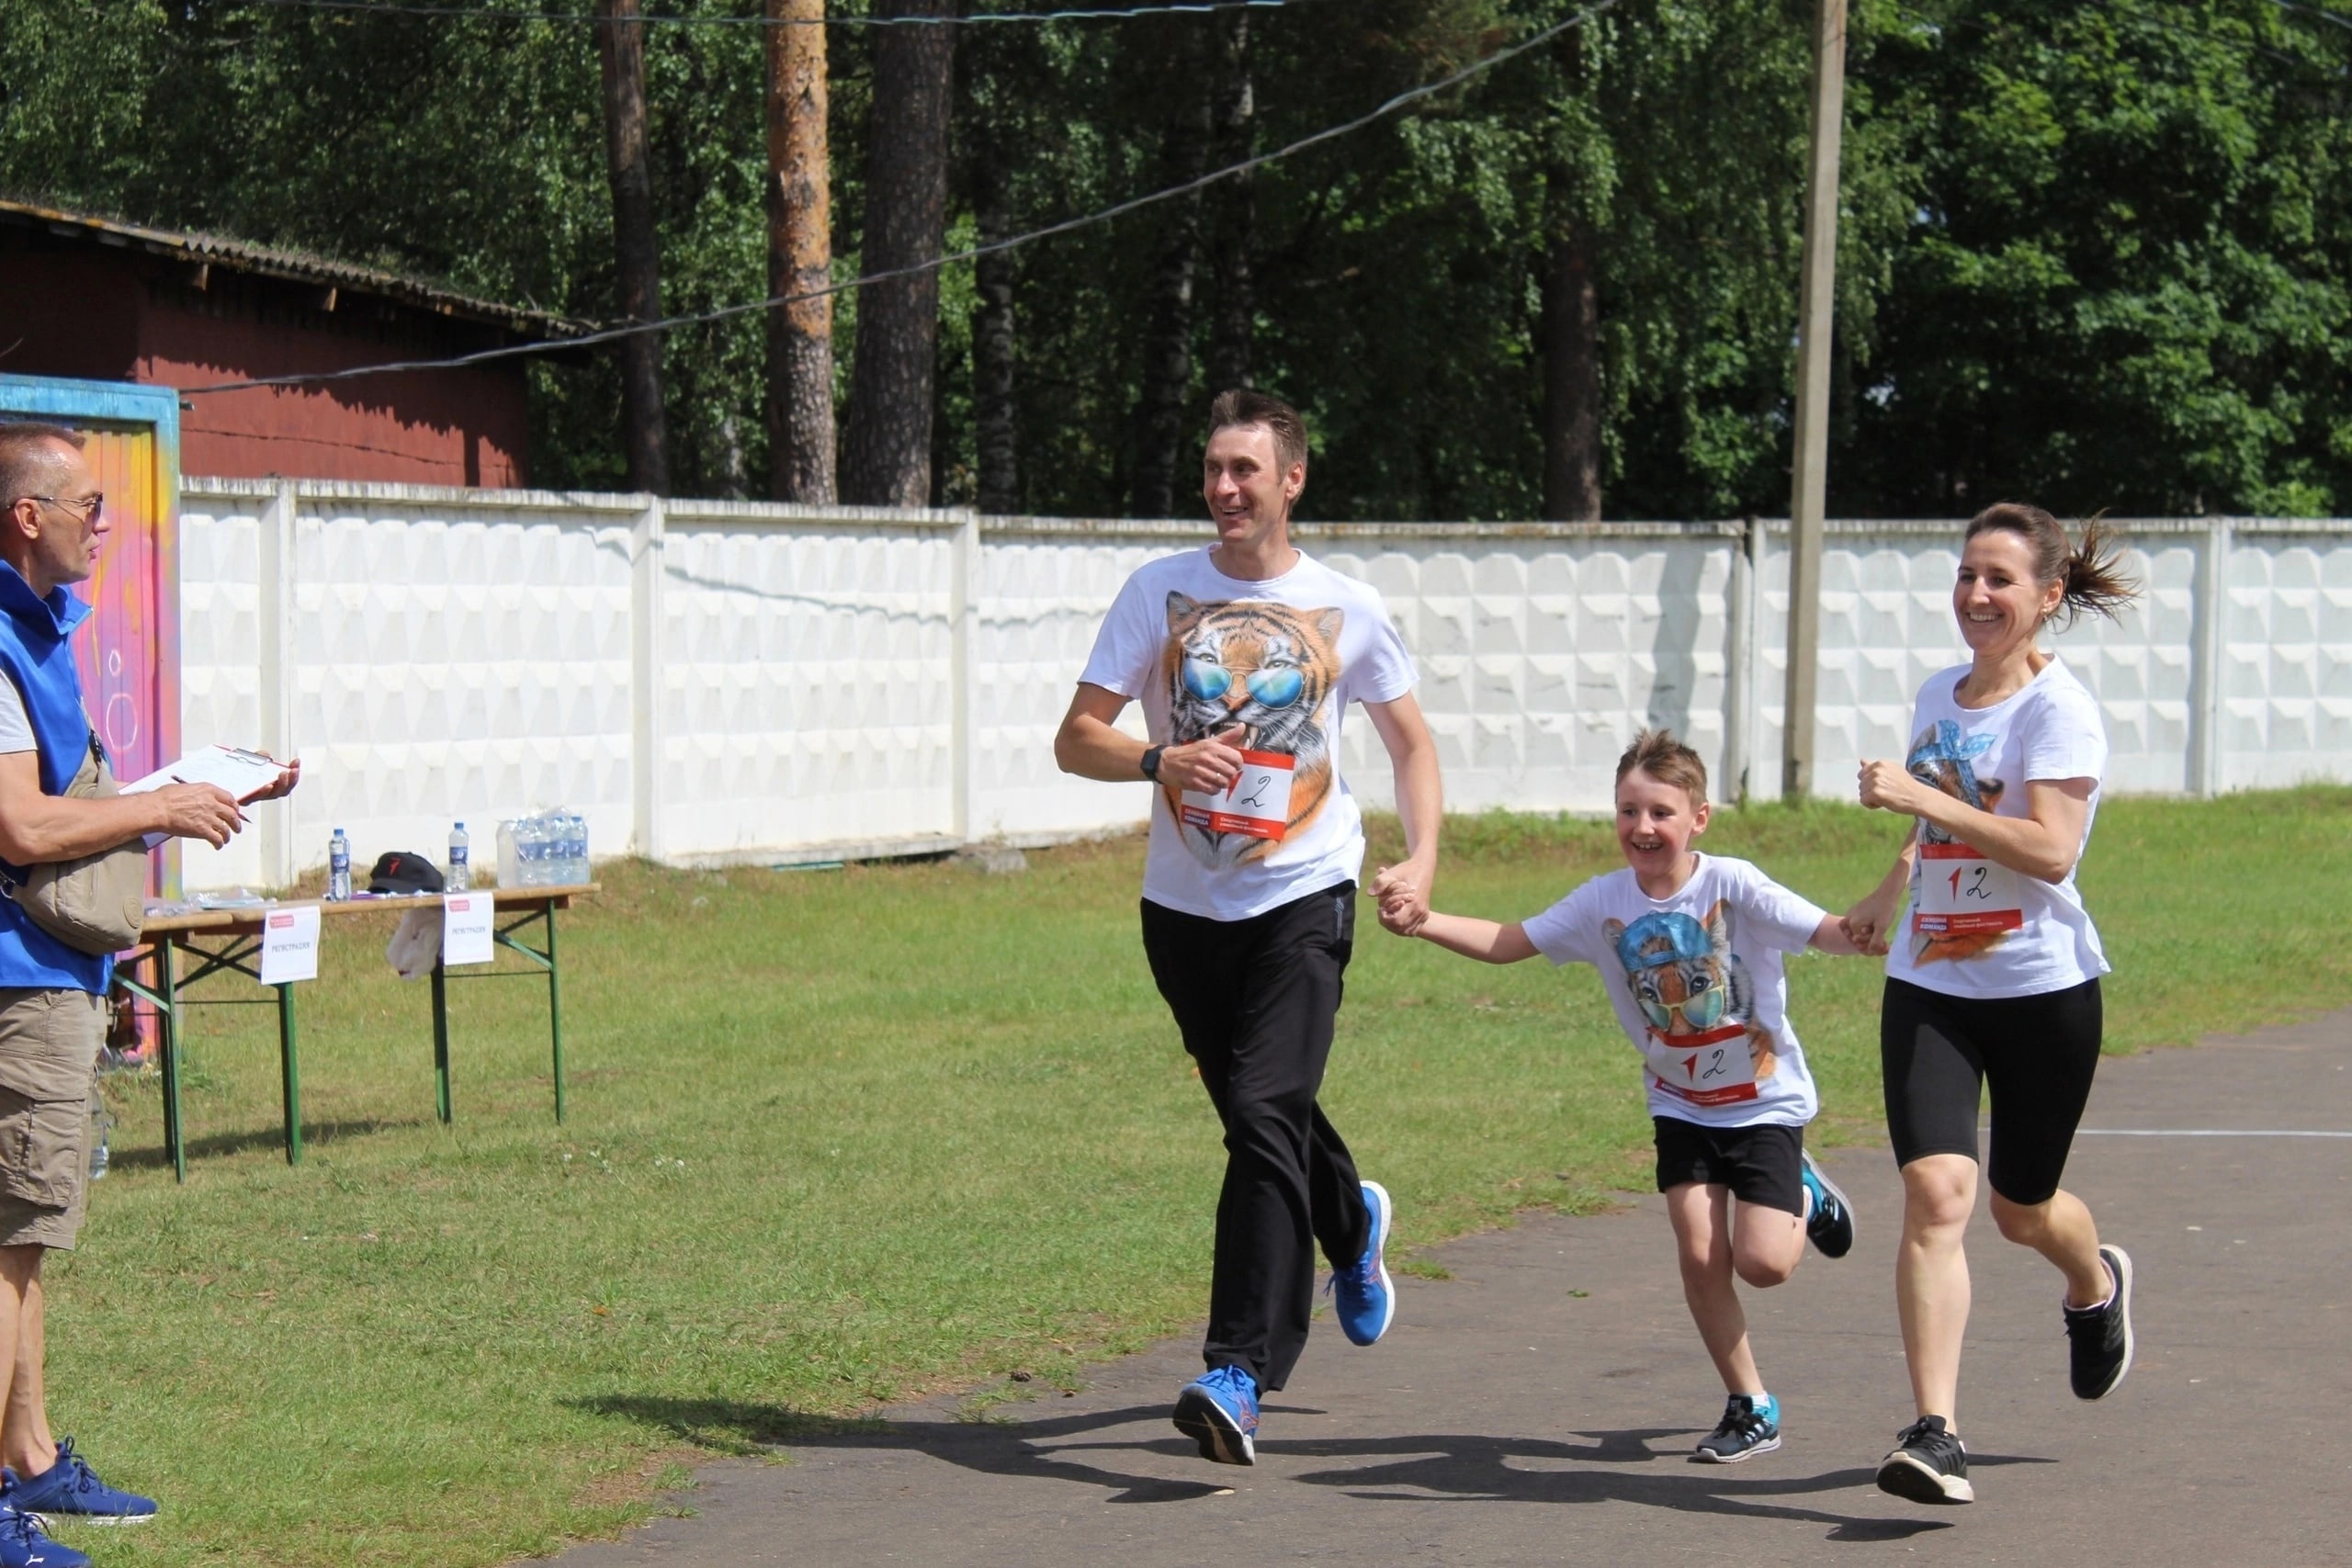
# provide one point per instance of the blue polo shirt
(37, 657)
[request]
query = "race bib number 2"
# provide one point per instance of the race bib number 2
(1255, 805)
(1714, 1068)
(1960, 892)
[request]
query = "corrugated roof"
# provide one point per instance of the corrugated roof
(262, 260)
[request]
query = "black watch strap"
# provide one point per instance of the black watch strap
(1151, 760)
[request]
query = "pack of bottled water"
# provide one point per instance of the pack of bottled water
(548, 850)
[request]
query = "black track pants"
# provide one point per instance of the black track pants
(1256, 999)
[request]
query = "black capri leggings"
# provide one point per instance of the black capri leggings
(1939, 1052)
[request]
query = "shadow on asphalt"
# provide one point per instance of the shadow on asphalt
(1419, 1468)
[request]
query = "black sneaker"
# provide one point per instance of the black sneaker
(1749, 1426)
(1928, 1465)
(1830, 1226)
(2100, 1338)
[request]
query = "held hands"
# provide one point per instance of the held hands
(1868, 924)
(1404, 899)
(1206, 766)
(198, 811)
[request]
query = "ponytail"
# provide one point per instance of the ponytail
(2092, 573)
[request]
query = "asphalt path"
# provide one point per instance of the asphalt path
(1540, 1406)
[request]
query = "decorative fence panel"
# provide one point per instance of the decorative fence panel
(711, 681)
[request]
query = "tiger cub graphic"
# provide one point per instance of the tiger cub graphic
(1267, 668)
(1689, 984)
(1942, 760)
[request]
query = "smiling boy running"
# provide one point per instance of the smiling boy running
(1690, 948)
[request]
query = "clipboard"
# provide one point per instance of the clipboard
(245, 776)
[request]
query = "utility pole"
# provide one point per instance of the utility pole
(1815, 315)
(800, 256)
(620, 50)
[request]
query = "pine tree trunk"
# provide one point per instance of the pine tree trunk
(620, 52)
(1571, 371)
(1233, 329)
(994, 338)
(886, 456)
(1167, 379)
(800, 257)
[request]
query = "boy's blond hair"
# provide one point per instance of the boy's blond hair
(1657, 754)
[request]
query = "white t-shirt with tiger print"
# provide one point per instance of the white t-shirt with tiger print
(1697, 983)
(1282, 657)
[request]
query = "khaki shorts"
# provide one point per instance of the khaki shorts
(49, 1053)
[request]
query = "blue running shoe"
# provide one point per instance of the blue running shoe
(70, 1489)
(1366, 1299)
(1218, 1410)
(24, 1544)
(1750, 1425)
(1830, 1225)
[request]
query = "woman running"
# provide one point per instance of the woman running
(1995, 977)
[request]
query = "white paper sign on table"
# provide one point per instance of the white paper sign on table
(289, 945)
(465, 929)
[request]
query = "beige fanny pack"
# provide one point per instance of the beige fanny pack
(97, 904)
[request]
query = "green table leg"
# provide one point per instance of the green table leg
(175, 1131)
(292, 1072)
(555, 1014)
(441, 1038)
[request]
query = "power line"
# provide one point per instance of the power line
(1067, 225)
(467, 13)
(2324, 15)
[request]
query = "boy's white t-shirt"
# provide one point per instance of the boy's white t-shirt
(1975, 928)
(1697, 983)
(1282, 657)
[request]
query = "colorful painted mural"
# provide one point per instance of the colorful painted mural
(129, 650)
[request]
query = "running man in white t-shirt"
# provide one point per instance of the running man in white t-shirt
(1993, 982)
(1690, 948)
(1245, 655)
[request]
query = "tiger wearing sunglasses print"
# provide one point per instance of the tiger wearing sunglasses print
(1689, 984)
(1267, 668)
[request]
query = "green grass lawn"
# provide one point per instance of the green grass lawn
(838, 1137)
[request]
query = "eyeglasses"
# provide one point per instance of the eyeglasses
(1701, 1009)
(1275, 688)
(87, 509)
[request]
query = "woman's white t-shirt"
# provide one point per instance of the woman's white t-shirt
(1697, 983)
(1282, 658)
(1975, 928)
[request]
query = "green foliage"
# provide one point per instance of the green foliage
(2091, 254)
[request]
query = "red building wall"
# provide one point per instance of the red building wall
(82, 311)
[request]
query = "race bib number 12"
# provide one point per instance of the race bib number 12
(1255, 805)
(1960, 892)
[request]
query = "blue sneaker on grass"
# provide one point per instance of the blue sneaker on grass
(1365, 1300)
(1218, 1410)
(1831, 1222)
(24, 1544)
(70, 1489)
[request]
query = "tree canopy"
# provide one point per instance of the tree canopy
(2093, 256)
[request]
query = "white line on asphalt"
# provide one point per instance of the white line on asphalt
(2207, 1132)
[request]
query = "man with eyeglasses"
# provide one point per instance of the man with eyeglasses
(1245, 655)
(52, 996)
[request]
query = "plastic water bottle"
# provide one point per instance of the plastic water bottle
(338, 866)
(461, 877)
(575, 848)
(510, 854)
(531, 850)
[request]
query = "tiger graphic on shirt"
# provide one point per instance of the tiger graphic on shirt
(1269, 669)
(1690, 986)
(1943, 761)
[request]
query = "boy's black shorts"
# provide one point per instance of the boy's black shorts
(1761, 1163)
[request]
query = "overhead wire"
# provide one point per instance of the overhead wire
(916, 269)
(976, 18)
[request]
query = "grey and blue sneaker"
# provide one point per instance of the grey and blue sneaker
(1751, 1425)
(24, 1542)
(1830, 1225)
(70, 1489)
(1218, 1410)
(1363, 1297)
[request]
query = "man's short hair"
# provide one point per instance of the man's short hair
(27, 461)
(1245, 405)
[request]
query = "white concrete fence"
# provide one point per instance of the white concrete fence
(713, 682)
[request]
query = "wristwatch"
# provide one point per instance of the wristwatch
(1151, 760)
